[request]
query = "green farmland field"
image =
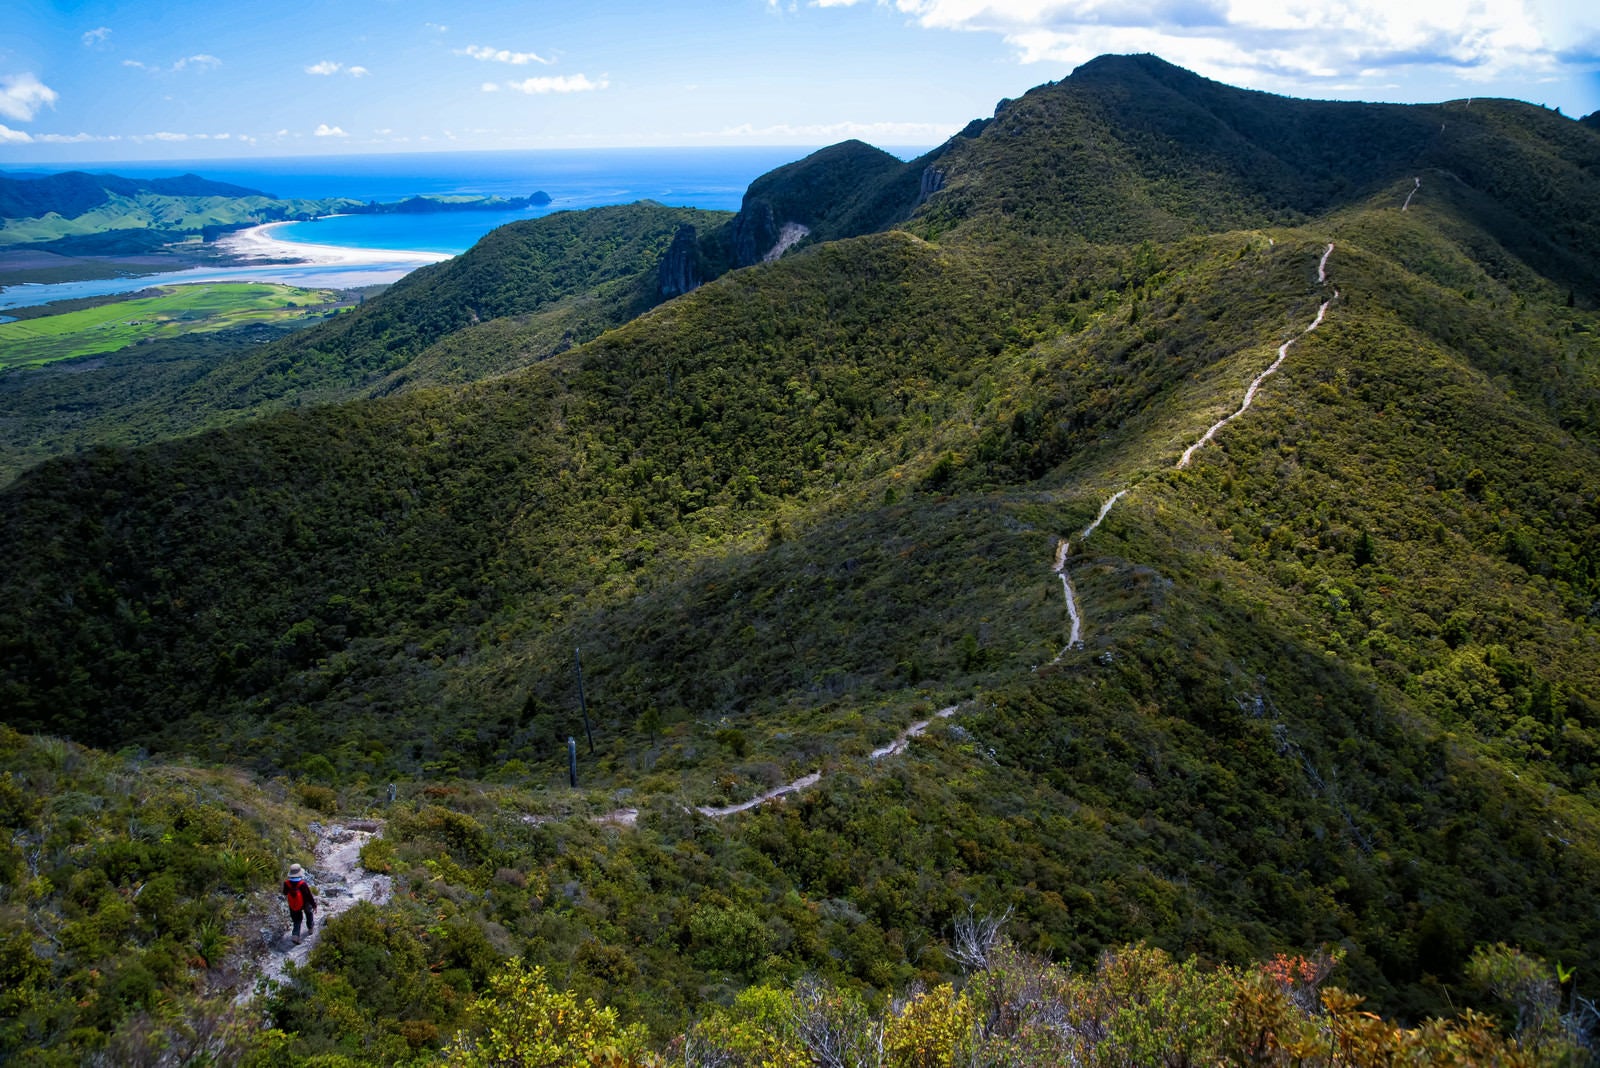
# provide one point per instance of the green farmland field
(177, 310)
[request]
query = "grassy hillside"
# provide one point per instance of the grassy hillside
(1339, 681)
(125, 888)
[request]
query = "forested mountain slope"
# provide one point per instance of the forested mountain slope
(1132, 147)
(586, 270)
(1339, 678)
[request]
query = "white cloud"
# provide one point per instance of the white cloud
(324, 130)
(201, 61)
(567, 83)
(22, 95)
(490, 87)
(502, 55)
(329, 66)
(96, 36)
(1284, 44)
(21, 137)
(434, 26)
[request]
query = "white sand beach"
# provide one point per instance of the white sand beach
(259, 243)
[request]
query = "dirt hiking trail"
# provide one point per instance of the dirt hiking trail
(339, 881)
(1064, 548)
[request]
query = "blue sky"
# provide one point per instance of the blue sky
(196, 79)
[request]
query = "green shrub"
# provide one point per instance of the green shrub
(318, 798)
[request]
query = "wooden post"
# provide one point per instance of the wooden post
(572, 761)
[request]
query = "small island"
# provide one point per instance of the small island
(421, 205)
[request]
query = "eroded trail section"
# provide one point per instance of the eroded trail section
(901, 741)
(1255, 383)
(340, 882)
(628, 817)
(1075, 638)
(1064, 550)
(1063, 547)
(904, 737)
(718, 812)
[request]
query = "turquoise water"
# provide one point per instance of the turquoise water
(713, 178)
(445, 232)
(346, 276)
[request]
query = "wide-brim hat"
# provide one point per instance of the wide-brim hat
(296, 871)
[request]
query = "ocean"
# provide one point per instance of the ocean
(713, 178)
(680, 177)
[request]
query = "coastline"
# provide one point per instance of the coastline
(259, 244)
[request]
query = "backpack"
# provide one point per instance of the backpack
(292, 891)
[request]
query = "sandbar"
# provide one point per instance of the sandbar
(258, 243)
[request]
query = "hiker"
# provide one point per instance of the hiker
(297, 892)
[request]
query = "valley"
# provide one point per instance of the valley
(164, 313)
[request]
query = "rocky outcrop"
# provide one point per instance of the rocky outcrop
(791, 235)
(680, 267)
(932, 182)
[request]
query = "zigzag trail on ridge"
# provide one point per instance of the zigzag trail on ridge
(1064, 547)
(341, 881)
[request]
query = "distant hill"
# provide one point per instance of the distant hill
(1336, 676)
(78, 214)
(73, 193)
(843, 191)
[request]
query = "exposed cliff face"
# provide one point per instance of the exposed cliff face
(844, 190)
(753, 231)
(680, 266)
